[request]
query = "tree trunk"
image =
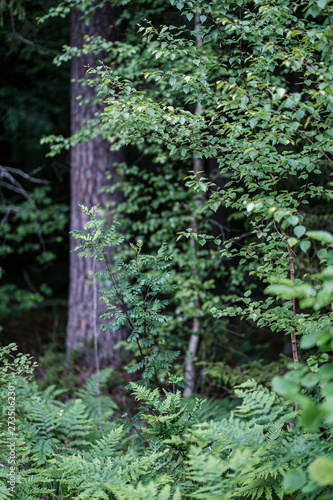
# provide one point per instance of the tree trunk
(198, 166)
(89, 163)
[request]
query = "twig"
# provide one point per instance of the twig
(98, 373)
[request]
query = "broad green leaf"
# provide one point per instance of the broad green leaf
(309, 340)
(321, 471)
(299, 231)
(294, 480)
(323, 236)
(309, 380)
(279, 214)
(284, 291)
(322, 254)
(299, 114)
(327, 406)
(311, 415)
(292, 241)
(305, 245)
(293, 220)
(284, 386)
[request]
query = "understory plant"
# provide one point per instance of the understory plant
(253, 452)
(266, 447)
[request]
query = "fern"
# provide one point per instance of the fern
(168, 416)
(51, 430)
(89, 476)
(249, 454)
(106, 446)
(145, 492)
(4, 492)
(88, 395)
(262, 406)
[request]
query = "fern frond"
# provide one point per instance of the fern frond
(4, 492)
(106, 445)
(88, 394)
(146, 492)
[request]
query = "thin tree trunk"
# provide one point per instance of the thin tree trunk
(293, 308)
(198, 166)
(89, 163)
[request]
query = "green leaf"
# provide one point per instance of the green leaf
(299, 231)
(305, 245)
(180, 5)
(293, 220)
(294, 480)
(327, 406)
(309, 340)
(284, 291)
(311, 415)
(285, 386)
(293, 125)
(309, 380)
(292, 241)
(299, 114)
(279, 214)
(323, 236)
(322, 3)
(321, 471)
(322, 254)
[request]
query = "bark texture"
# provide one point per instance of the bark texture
(89, 162)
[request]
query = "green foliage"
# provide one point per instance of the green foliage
(263, 77)
(33, 214)
(253, 452)
(266, 120)
(34, 227)
(12, 369)
(133, 295)
(264, 88)
(88, 394)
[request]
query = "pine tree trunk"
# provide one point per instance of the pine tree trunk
(89, 162)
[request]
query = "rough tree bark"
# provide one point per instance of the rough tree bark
(89, 162)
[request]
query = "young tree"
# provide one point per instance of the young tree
(155, 201)
(267, 122)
